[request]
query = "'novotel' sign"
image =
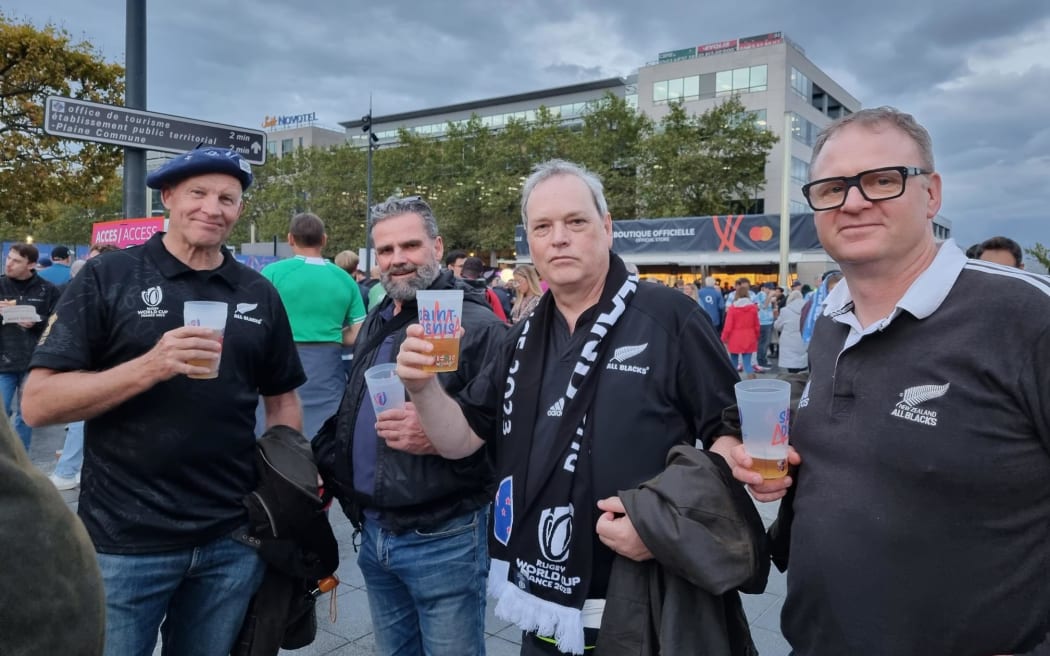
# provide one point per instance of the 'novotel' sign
(291, 120)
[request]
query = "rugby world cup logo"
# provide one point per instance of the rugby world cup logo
(152, 296)
(380, 398)
(555, 533)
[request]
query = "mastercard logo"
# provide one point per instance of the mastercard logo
(760, 233)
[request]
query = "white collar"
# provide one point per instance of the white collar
(921, 299)
(311, 260)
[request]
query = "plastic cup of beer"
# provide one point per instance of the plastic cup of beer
(207, 314)
(384, 387)
(440, 315)
(765, 411)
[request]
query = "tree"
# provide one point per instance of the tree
(1040, 253)
(39, 172)
(611, 143)
(711, 163)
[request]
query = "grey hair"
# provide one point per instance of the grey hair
(709, 281)
(555, 167)
(395, 206)
(884, 115)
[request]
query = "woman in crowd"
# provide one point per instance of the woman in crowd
(527, 292)
(740, 333)
(792, 354)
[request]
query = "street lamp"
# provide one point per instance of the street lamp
(366, 127)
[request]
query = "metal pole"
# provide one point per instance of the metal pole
(785, 206)
(135, 98)
(368, 195)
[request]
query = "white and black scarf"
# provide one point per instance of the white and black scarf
(541, 543)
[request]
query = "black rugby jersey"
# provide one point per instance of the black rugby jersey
(168, 468)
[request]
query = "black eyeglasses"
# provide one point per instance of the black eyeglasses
(875, 185)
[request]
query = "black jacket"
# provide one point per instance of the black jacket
(17, 343)
(51, 597)
(707, 542)
(452, 487)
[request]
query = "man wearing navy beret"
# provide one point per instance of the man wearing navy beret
(168, 458)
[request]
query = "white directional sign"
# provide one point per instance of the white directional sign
(134, 128)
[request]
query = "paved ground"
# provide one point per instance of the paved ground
(351, 633)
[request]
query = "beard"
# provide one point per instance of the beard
(405, 290)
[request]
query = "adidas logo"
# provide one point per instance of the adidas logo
(556, 409)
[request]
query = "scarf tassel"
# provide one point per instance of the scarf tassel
(539, 616)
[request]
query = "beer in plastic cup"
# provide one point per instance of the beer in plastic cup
(440, 315)
(765, 409)
(384, 387)
(207, 314)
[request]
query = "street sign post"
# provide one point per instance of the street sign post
(133, 128)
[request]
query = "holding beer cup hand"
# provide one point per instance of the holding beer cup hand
(211, 315)
(765, 409)
(441, 316)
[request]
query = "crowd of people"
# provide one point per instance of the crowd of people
(583, 466)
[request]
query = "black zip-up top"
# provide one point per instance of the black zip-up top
(17, 343)
(412, 491)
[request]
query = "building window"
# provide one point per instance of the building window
(674, 89)
(691, 88)
(271, 148)
(800, 84)
(797, 207)
(799, 171)
(802, 130)
(286, 146)
(758, 78)
(759, 117)
(631, 99)
(723, 83)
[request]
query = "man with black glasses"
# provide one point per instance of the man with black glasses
(921, 510)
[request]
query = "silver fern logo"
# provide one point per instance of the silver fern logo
(910, 400)
(623, 353)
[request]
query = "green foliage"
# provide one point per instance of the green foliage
(711, 163)
(40, 175)
(472, 176)
(1040, 253)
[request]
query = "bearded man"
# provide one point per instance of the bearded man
(423, 518)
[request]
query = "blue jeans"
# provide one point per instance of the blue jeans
(11, 382)
(426, 589)
(201, 594)
(745, 362)
(764, 333)
(72, 452)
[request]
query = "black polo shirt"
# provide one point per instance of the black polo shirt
(168, 468)
(922, 508)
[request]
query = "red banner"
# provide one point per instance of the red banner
(126, 232)
(715, 48)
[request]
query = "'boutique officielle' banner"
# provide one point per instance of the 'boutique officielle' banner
(734, 233)
(126, 232)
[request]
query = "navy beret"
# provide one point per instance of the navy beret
(201, 161)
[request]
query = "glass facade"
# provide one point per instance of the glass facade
(803, 131)
(800, 84)
(566, 113)
(799, 170)
(749, 79)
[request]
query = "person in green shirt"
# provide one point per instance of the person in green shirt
(325, 308)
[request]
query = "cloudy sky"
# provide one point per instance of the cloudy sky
(977, 74)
